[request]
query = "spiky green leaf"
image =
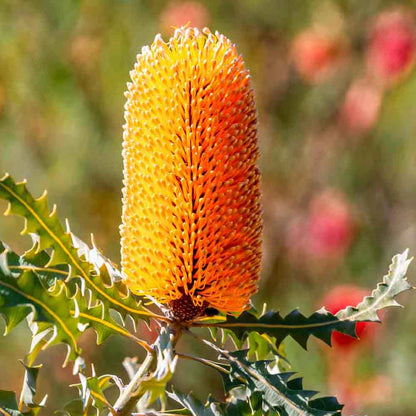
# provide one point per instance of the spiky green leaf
(61, 309)
(8, 403)
(92, 399)
(23, 293)
(195, 406)
(282, 392)
(322, 323)
(92, 391)
(46, 228)
(250, 406)
(153, 387)
(27, 395)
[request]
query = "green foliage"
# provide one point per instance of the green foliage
(22, 292)
(46, 228)
(68, 291)
(268, 390)
(60, 312)
(27, 395)
(92, 394)
(282, 393)
(8, 401)
(63, 287)
(250, 406)
(153, 387)
(195, 407)
(322, 323)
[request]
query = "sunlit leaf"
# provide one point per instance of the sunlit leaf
(27, 395)
(8, 403)
(322, 323)
(44, 226)
(58, 311)
(282, 392)
(23, 293)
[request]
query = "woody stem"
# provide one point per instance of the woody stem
(130, 395)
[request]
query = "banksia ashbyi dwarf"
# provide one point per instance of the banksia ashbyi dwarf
(191, 231)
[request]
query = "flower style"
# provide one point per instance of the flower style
(191, 222)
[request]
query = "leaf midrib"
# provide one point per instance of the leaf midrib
(70, 256)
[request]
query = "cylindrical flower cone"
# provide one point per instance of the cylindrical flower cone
(191, 224)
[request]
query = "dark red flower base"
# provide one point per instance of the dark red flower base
(184, 310)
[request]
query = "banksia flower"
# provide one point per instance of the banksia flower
(191, 225)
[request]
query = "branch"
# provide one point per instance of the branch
(149, 387)
(129, 397)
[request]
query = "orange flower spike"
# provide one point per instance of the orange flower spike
(191, 223)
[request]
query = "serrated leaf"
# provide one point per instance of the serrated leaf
(97, 318)
(394, 283)
(322, 323)
(280, 392)
(149, 385)
(195, 406)
(153, 387)
(92, 392)
(23, 293)
(50, 234)
(250, 406)
(263, 347)
(71, 306)
(8, 403)
(27, 395)
(76, 408)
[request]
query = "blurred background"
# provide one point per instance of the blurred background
(336, 93)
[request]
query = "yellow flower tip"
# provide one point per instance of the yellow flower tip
(191, 222)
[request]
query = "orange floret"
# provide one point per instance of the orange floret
(191, 222)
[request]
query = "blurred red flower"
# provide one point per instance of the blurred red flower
(361, 107)
(316, 54)
(177, 14)
(84, 52)
(392, 45)
(324, 235)
(330, 226)
(339, 298)
(342, 377)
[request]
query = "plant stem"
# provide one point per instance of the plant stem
(204, 361)
(128, 398)
(129, 395)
